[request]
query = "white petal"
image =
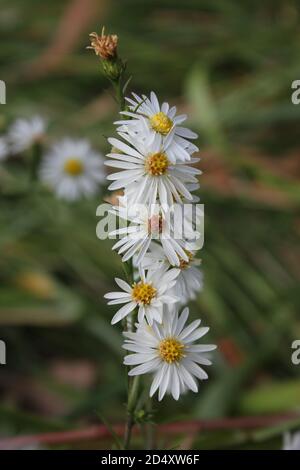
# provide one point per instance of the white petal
(124, 147)
(119, 301)
(140, 358)
(164, 385)
(116, 295)
(175, 385)
(125, 310)
(196, 370)
(197, 334)
(145, 368)
(188, 378)
(123, 285)
(157, 379)
(181, 321)
(189, 329)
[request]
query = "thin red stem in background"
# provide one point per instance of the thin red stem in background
(102, 432)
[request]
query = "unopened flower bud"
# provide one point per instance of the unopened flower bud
(113, 69)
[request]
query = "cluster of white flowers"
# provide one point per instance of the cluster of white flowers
(153, 156)
(71, 168)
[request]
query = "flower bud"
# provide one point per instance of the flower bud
(104, 46)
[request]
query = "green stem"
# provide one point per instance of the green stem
(149, 428)
(128, 430)
(118, 87)
(35, 158)
(131, 406)
(133, 394)
(133, 384)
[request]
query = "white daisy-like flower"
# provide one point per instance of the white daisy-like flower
(4, 148)
(145, 226)
(148, 120)
(147, 166)
(291, 441)
(25, 132)
(149, 295)
(168, 351)
(72, 169)
(189, 281)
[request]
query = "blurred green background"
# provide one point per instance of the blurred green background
(229, 65)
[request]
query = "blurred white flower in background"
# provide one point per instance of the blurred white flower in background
(72, 169)
(291, 441)
(4, 148)
(23, 133)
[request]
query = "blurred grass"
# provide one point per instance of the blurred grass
(229, 65)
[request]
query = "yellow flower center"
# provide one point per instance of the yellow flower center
(183, 264)
(143, 293)
(73, 167)
(171, 350)
(161, 123)
(157, 164)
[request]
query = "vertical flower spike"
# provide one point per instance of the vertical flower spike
(153, 157)
(152, 160)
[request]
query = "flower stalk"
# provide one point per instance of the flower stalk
(113, 67)
(35, 159)
(153, 155)
(133, 394)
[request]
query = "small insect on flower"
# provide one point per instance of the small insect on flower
(150, 120)
(149, 295)
(168, 351)
(147, 166)
(24, 133)
(4, 148)
(72, 169)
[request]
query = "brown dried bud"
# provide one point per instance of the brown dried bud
(104, 46)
